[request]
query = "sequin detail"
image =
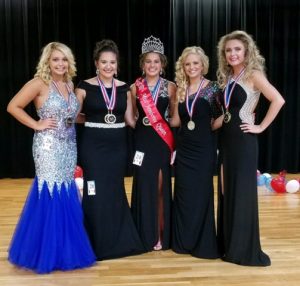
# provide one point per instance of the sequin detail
(210, 93)
(246, 112)
(55, 150)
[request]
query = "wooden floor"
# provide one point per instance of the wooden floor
(280, 238)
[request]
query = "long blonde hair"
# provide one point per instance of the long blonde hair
(181, 79)
(253, 58)
(43, 68)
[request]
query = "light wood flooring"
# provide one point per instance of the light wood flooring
(280, 238)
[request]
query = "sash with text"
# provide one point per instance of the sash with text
(157, 122)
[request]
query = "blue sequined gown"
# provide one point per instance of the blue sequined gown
(50, 234)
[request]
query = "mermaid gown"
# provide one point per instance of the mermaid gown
(50, 234)
(103, 155)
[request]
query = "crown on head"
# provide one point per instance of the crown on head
(152, 44)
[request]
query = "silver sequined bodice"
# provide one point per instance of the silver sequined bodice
(243, 101)
(246, 113)
(54, 150)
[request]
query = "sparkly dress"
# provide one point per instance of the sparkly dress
(238, 225)
(103, 156)
(50, 234)
(145, 195)
(193, 208)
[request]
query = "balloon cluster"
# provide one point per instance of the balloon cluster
(278, 184)
(78, 175)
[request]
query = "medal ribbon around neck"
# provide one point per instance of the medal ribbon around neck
(190, 109)
(227, 93)
(155, 91)
(59, 91)
(110, 102)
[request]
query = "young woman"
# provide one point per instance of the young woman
(241, 74)
(194, 229)
(50, 234)
(153, 144)
(106, 105)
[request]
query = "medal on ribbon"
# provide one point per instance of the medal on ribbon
(109, 118)
(154, 94)
(190, 108)
(228, 93)
(69, 120)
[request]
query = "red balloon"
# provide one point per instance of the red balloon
(78, 173)
(278, 185)
(282, 173)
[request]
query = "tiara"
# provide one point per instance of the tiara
(152, 44)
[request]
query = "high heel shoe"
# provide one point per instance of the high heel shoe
(158, 246)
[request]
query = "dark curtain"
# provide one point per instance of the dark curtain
(275, 27)
(27, 25)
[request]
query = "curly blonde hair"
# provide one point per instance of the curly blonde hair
(43, 68)
(181, 79)
(253, 58)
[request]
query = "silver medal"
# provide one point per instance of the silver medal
(146, 121)
(110, 118)
(68, 122)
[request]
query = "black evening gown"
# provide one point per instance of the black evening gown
(194, 229)
(238, 225)
(145, 194)
(103, 155)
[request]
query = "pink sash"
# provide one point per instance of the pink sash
(157, 122)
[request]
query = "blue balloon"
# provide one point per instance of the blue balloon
(268, 184)
(261, 180)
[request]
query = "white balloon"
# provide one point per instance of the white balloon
(292, 186)
(267, 175)
(79, 183)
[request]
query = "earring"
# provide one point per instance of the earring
(143, 73)
(97, 71)
(161, 72)
(116, 74)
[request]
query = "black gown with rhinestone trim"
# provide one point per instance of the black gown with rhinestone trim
(103, 155)
(238, 224)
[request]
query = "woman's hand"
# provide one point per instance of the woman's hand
(251, 128)
(48, 123)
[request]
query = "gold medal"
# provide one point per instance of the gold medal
(228, 93)
(191, 125)
(227, 116)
